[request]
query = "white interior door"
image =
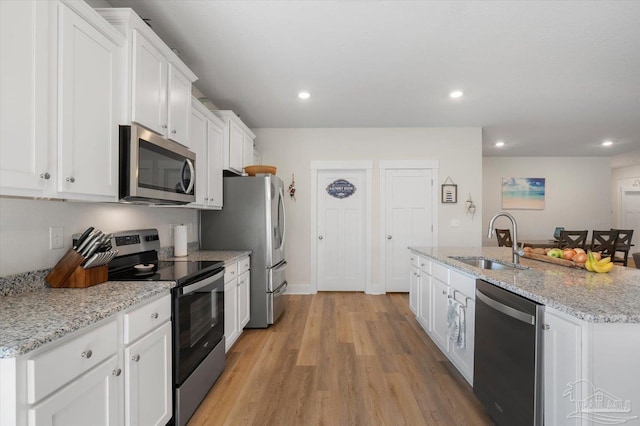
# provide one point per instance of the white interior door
(341, 232)
(631, 212)
(408, 221)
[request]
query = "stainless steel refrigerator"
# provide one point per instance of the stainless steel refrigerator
(253, 218)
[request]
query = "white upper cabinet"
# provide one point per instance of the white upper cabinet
(206, 141)
(59, 113)
(237, 143)
(24, 57)
(88, 91)
(159, 83)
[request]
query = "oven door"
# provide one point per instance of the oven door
(198, 323)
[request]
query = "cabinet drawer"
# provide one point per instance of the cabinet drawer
(425, 265)
(145, 318)
(230, 272)
(52, 369)
(414, 259)
(440, 272)
(244, 265)
(463, 284)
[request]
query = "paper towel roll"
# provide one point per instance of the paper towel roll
(180, 240)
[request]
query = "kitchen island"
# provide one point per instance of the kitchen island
(591, 327)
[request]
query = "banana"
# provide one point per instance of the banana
(589, 263)
(601, 266)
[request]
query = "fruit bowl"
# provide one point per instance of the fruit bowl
(259, 168)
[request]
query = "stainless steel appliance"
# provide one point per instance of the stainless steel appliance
(197, 313)
(154, 170)
(507, 356)
(253, 218)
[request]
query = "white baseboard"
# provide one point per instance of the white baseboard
(299, 289)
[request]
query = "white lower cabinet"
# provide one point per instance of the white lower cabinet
(115, 373)
(414, 288)
(92, 399)
(236, 299)
(436, 283)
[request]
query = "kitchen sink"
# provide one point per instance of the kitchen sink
(484, 263)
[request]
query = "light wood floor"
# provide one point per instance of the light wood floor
(340, 359)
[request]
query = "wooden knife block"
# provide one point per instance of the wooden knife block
(69, 273)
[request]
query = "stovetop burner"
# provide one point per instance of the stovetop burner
(139, 260)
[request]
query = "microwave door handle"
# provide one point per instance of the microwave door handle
(187, 163)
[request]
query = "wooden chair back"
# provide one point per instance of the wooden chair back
(573, 239)
(504, 238)
(604, 242)
(622, 246)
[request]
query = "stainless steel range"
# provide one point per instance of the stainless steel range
(197, 313)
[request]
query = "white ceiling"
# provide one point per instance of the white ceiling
(549, 78)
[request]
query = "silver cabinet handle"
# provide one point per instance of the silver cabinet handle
(389, 237)
(545, 326)
(71, 179)
(135, 358)
(45, 176)
(116, 372)
(320, 237)
(174, 131)
(86, 354)
(164, 126)
(444, 292)
(154, 315)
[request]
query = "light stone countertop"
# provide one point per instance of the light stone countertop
(613, 297)
(31, 319)
(227, 256)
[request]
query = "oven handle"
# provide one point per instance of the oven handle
(200, 284)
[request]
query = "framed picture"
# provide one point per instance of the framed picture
(523, 193)
(449, 193)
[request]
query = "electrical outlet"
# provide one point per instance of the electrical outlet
(56, 236)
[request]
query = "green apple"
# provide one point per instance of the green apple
(555, 252)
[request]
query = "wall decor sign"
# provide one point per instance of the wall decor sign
(523, 193)
(449, 192)
(341, 188)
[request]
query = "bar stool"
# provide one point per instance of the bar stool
(504, 238)
(573, 239)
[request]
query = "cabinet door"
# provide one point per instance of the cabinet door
(243, 300)
(236, 143)
(439, 303)
(24, 169)
(425, 305)
(414, 298)
(199, 141)
(247, 150)
(214, 156)
(231, 329)
(88, 93)
(148, 386)
(179, 107)
(463, 358)
(149, 86)
(562, 365)
(92, 399)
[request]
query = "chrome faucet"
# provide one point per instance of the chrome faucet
(517, 252)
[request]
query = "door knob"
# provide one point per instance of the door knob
(71, 179)
(45, 176)
(389, 237)
(320, 237)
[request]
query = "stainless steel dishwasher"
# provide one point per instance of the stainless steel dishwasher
(507, 376)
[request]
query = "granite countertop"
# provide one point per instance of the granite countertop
(31, 319)
(227, 256)
(613, 297)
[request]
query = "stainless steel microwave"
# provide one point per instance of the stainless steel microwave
(154, 170)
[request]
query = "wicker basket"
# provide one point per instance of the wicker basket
(259, 168)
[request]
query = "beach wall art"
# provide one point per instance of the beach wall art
(523, 193)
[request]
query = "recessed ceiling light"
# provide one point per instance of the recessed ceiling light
(304, 95)
(499, 144)
(456, 94)
(607, 143)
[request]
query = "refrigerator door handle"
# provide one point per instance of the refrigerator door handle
(284, 217)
